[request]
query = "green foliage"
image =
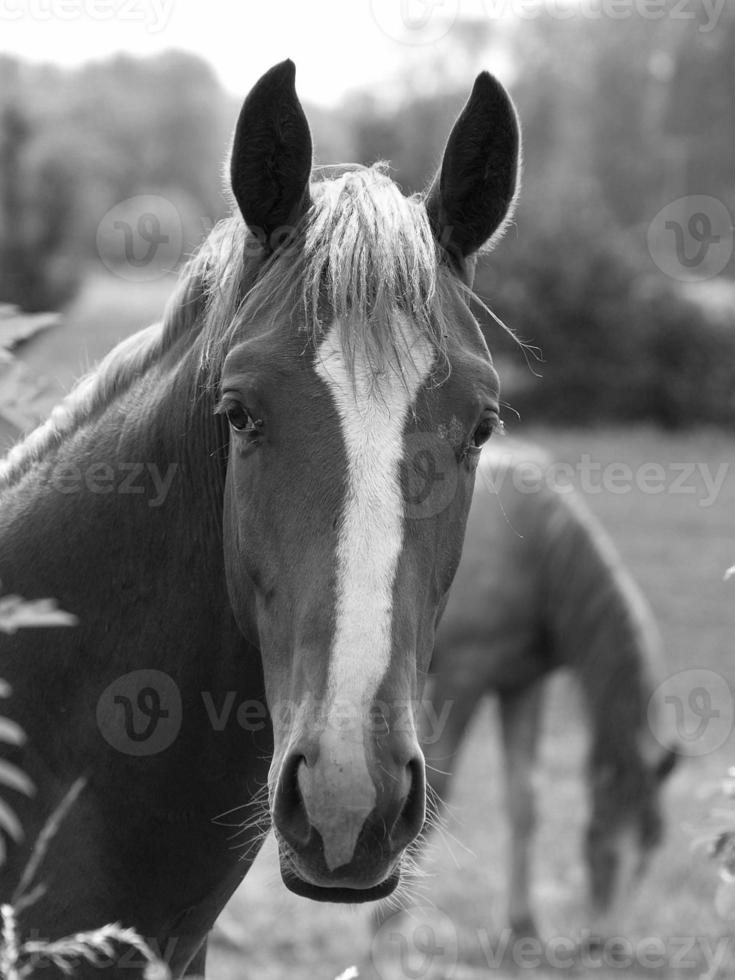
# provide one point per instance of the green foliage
(616, 125)
(718, 841)
(17, 613)
(619, 341)
(620, 117)
(19, 958)
(35, 209)
(74, 144)
(97, 947)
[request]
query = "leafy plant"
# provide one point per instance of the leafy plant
(719, 842)
(18, 958)
(16, 612)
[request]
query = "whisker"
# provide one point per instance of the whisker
(442, 772)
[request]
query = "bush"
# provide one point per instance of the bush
(619, 341)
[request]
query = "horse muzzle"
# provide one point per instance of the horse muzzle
(344, 811)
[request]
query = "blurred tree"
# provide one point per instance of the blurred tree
(34, 216)
(620, 117)
(75, 144)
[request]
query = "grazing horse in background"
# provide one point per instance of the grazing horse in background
(541, 587)
(315, 334)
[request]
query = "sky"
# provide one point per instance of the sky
(337, 45)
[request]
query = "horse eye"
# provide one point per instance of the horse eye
(240, 419)
(483, 431)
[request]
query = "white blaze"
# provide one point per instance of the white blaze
(373, 412)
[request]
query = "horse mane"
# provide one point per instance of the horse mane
(364, 253)
(126, 363)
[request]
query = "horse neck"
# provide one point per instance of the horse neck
(603, 631)
(147, 584)
(123, 518)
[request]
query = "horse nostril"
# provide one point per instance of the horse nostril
(289, 812)
(413, 813)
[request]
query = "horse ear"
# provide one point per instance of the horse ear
(667, 763)
(270, 164)
(473, 195)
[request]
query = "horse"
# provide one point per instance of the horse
(221, 505)
(541, 587)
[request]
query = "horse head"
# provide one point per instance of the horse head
(625, 827)
(352, 356)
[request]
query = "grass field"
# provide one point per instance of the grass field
(678, 544)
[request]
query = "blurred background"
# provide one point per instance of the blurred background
(115, 119)
(619, 266)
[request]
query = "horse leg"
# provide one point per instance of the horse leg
(520, 714)
(450, 700)
(197, 967)
(449, 704)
